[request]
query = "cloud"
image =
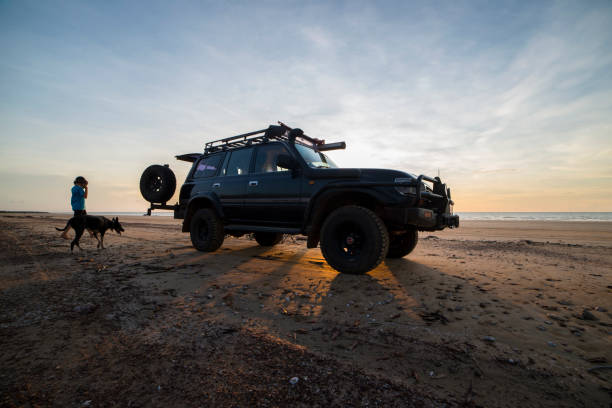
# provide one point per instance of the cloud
(488, 95)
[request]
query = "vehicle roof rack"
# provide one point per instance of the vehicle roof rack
(273, 132)
(245, 139)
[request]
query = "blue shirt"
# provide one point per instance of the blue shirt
(78, 198)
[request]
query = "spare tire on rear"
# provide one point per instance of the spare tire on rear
(157, 184)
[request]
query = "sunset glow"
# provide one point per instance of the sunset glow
(510, 103)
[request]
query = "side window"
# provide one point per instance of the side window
(238, 162)
(207, 167)
(267, 155)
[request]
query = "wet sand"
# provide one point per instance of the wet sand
(567, 232)
(495, 313)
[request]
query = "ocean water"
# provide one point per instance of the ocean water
(537, 216)
(496, 216)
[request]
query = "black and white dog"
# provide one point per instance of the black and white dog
(96, 225)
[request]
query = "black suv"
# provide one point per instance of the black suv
(278, 181)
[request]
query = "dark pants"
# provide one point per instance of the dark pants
(80, 212)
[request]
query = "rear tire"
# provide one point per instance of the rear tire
(402, 245)
(268, 239)
(206, 230)
(354, 240)
(157, 184)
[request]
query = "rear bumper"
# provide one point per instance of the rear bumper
(423, 218)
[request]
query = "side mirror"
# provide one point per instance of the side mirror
(287, 162)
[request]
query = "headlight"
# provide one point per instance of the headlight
(405, 189)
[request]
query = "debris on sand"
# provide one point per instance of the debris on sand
(85, 309)
(434, 317)
(228, 299)
(597, 360)
(607, 367)
(587, 315)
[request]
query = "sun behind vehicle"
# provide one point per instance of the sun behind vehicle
(278, 181)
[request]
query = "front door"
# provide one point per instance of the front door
(273, 193)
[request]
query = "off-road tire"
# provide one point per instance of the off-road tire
(157, 184)
(402, 245)
(206, 230)
(354, 240)
(268, 239)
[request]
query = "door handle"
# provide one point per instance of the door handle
(216, 185)
(253, 183)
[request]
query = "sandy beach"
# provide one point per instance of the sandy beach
(493, 314)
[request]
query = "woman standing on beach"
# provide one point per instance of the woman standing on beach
(77, 201)
(79, 194)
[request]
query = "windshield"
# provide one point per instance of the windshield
(314, 159)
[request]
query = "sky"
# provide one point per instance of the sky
(510, 102)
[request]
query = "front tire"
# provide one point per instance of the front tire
(354, 240)
(403, 244)
(268, 239)
(206, 230)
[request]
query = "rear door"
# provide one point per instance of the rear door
(200, 179)
(231, 185)
(273, 193)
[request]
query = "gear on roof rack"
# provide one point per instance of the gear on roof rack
(272, 132)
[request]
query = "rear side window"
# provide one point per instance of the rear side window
(239, 162)
(207, 167)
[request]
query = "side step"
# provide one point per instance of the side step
(258, 228)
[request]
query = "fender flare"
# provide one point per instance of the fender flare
(318, 203)
(204, 200)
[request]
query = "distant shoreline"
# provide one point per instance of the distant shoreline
(23, 212)
(552, 216)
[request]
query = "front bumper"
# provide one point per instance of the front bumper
(423, 218)
(430, 211)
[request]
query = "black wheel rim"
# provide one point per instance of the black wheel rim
(398, 242)
(155, 183)
(202, 230)
(350, 240)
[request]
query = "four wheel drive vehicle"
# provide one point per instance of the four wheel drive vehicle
(279, 181)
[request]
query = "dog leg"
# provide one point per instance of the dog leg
(75, 241)
(95, 234)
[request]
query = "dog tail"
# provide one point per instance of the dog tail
(66, 227)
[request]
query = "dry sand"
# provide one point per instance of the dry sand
(491, 314)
